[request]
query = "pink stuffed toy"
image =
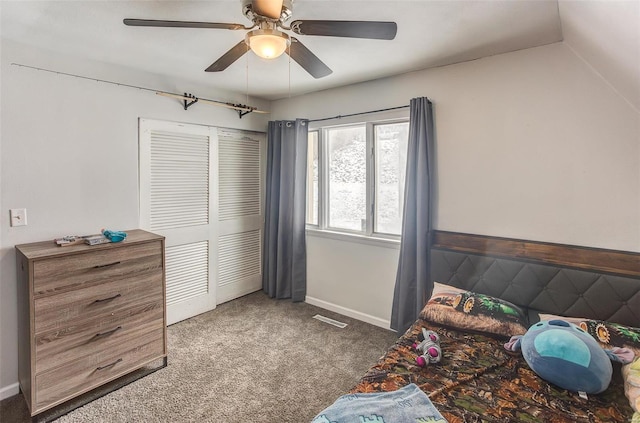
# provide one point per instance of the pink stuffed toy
(428, 348)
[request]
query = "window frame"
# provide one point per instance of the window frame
(309, 185)
(322, 229)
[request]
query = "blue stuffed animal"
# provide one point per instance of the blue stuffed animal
(114, 236)
(565, 355)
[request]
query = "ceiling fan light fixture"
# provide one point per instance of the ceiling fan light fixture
(267, 43)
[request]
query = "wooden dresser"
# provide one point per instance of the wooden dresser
(88, 315)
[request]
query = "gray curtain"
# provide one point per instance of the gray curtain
(284, 261)
(413, 283)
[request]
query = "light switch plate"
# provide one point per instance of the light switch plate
(18, 217)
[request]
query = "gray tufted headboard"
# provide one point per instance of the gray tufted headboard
(551, 278)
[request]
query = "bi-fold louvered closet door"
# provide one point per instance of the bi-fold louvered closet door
(201, 187)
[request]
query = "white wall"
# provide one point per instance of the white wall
(70, 156)
(531, 144)
(354, 279)
(606, 35)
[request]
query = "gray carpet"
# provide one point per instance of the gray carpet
(253, 359)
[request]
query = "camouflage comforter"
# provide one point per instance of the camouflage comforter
(479, 381)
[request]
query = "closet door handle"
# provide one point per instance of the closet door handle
(107, 299)
(109, 365)
(107, 333)
(106, 265)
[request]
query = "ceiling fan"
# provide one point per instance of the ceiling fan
(268, 41)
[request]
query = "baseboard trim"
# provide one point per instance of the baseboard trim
(376, 321)
(9, 391)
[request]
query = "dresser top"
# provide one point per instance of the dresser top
(47, 249)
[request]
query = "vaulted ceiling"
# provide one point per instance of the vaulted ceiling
(606, 34)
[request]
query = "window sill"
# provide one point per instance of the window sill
(360, 239)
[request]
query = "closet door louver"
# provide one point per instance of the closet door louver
(239, 175)
(187, 271)
(239, 257)
(179, 180)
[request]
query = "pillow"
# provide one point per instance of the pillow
(468, 310)
(607, 334)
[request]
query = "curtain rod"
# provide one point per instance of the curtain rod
(360, 113)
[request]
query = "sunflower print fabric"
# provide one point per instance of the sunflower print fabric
(468, 310)
(610, 334)
(479, 381)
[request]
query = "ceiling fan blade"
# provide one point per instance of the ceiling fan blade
(308, 60)
(228, 58)
(182, 24)
(267, 8)
(353, 29)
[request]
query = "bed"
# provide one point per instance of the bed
(477, 378)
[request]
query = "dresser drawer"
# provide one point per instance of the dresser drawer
(84, 374)
(61, 274)
(78, 306)
(59, 346)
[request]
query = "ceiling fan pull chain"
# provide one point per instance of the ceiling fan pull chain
(247, 76)
(289, 47)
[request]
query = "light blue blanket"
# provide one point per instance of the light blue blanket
(406, 405)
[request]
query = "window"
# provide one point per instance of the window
(356, 178)
(347, 177)
(391, 153)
